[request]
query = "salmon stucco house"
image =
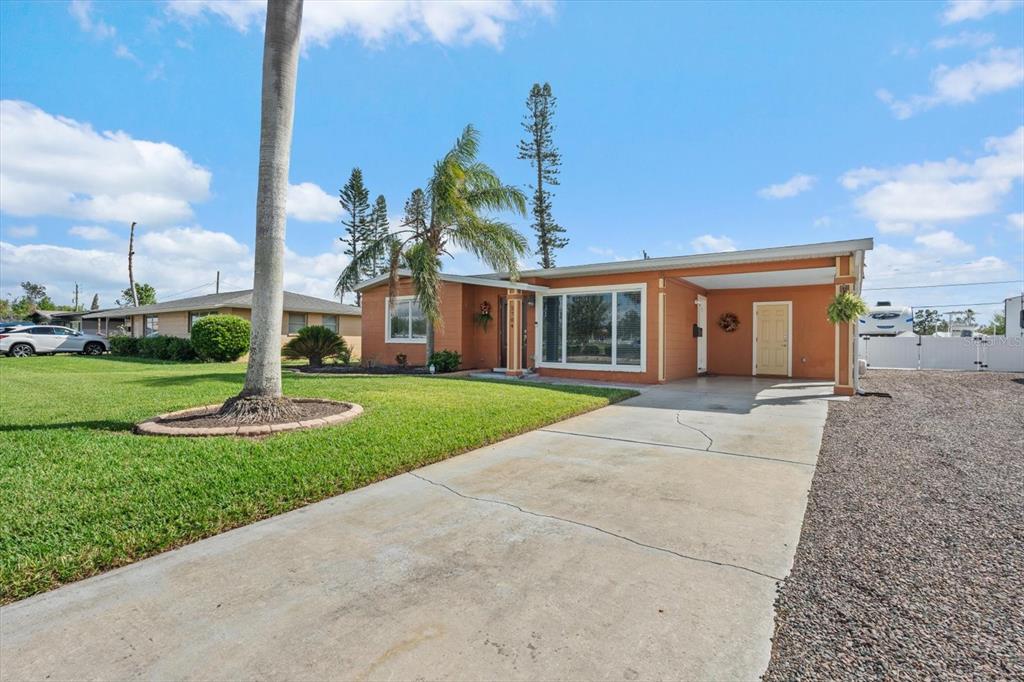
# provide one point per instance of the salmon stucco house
(760, 312)
(175, 318)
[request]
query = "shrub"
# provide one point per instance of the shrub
(445, 361)
(221, 338)
(124, 345)
(166, 348)
(402, 359)
(345, 355)
(316, 343)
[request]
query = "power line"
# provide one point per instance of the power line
(936, 286)
(956, 305)
(179, 293)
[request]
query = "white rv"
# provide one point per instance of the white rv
(886, 319)
(1013, 308)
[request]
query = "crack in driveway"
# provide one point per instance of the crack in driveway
(581, 524)
(711, 441)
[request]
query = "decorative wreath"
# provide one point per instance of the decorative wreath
(484, 316)
(728, 322)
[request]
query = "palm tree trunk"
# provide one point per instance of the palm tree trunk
(430, 341)
(280, 69)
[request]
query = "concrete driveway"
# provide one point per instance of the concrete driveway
(640, 541)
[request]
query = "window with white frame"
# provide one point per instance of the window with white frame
(150, 325)
(330, 322)
(597, 328)
(406, 323)
(296, 321)
(194, 315)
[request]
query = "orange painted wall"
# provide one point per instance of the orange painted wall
(680, 316)
(448, 335)
(813, 342)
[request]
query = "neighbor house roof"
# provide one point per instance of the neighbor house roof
(478, 280)
(299, 303)
(778, 253)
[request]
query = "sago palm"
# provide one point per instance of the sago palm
(314, 343)
(459, 194)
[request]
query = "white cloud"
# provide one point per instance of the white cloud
(944, 242)
(81, 10)
(1016, 221)
(57, 166)
(177, 261)
(309, 202)
(823, 221)
(603, 252)
(790, 188)
(21, 231)
(967, 10)
(900, 198)
(122, 52)
(377, 21)
(1000, 69)
(708, 243)
(92, 233)
(971, 39)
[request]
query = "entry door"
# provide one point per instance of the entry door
(702, 340)
(502, 331)
(771, 338)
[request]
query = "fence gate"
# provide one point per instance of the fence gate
(993, 353)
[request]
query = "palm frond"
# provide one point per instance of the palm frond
(426, 279)
(497, 244)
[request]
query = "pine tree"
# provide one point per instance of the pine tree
(355, 199)
(378, 230)
(539, 148)
(95, 302)
(416, 211)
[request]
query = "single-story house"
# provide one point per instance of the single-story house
(114, 321)
(760, 312)
(175, 318)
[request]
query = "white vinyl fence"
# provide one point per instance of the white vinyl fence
(993, 354)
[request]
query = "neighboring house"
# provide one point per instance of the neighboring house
(115, 323)
(1013, 308)
(643, 321)
(175, 318)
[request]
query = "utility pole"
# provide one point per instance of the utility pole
(217, 290)
(131, 273)
(76, 296)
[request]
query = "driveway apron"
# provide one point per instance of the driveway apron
(640, 541)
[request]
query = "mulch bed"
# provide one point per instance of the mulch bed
(341, 369)
(306, 410)
(912, 551)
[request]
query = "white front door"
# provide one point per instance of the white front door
(772, 324)
(702, 340)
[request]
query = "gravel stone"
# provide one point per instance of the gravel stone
(911, 557)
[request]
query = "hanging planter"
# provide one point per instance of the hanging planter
(728, 322)
(846, 307)
(483, 317)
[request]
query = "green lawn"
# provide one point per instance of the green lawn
(80, 494)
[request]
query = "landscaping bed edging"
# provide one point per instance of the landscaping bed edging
(159, 426)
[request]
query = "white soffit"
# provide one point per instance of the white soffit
(771, 278)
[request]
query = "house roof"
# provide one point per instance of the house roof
(63, 314)
(299, 303)
(477, 280)
(778, 253)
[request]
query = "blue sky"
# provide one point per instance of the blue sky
(683, 127)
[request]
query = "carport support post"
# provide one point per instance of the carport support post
(845, 359)
(514, 335)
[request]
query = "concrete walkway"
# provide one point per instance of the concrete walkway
(640, 541)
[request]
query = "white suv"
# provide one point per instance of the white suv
(25, 341)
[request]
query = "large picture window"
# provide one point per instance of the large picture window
(150, 325)
(593, 329)
(406, 322)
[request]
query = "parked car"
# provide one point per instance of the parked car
(22, 342)
(886, 319)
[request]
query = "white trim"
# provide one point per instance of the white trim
(789, 336)
(609, 289)
(702, 340)
(478, 280)
(387, 322)
(778, 253)
(661, 335)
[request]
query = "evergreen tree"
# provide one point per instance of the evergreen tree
(539, 148)
(416, 211)
(95, 302)
(378, 231)
(355, 199)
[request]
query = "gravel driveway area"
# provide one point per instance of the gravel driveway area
(912, 550)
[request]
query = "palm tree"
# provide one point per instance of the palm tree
(261, 398)
(460, 190)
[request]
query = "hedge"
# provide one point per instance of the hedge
(221, 338)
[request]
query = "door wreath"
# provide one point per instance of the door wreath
(728, 322)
